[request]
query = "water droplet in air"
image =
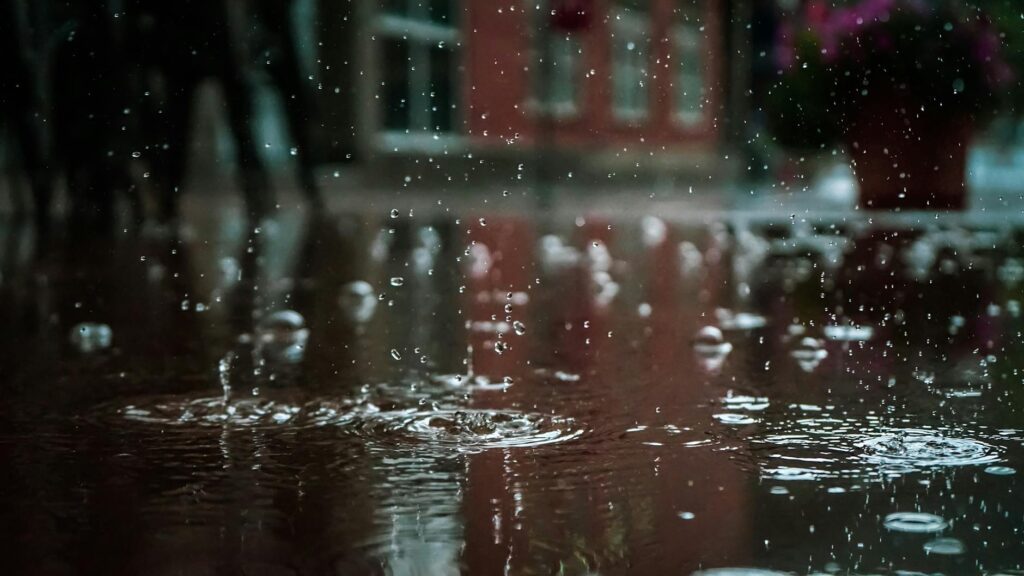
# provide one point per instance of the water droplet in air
(519, 327)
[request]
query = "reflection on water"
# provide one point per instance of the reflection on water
(488, 393)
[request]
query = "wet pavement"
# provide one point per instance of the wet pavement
(405, 389)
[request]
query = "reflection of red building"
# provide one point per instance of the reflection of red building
(446, 78)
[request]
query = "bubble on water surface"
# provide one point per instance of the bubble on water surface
(711, 348)
(738, 572)
(848, 333)
(742, 402)
(357, 301)
(469, 429)
(1000, 471)
(282, 335)
(470, 382)
(945, 547)
(914, 522)
(735, 419)
(809, 353)
(739, 321)
(88, 337)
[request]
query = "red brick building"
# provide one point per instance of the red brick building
(632, 84)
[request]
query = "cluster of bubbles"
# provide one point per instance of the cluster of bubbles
(711, 346)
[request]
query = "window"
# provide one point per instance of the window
(630, 44)
(419, 41)
(556, 77)
(688, 87)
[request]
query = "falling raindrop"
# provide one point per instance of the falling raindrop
(519, 327)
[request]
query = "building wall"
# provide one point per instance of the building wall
(501, 68)
(497, 125)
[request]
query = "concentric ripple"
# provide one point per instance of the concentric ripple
(819, 448)
(249, 412)
(925, 449)
(471, 429)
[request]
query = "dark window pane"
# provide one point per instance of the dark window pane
(396, 7)
(442, 11)
(442, 97)
(396, 85)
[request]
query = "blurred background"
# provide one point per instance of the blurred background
(119, 107)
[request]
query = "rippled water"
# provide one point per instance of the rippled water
(486, 394)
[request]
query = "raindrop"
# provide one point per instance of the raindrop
(395, 212)
(519, 327)
(395, 354)
(397, 281)
(687, 515)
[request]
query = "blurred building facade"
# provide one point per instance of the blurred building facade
(460, 90)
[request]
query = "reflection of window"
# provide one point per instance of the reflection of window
(688, 52)
(630, 40)
(418, 40)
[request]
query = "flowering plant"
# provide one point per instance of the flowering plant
(938, 58)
